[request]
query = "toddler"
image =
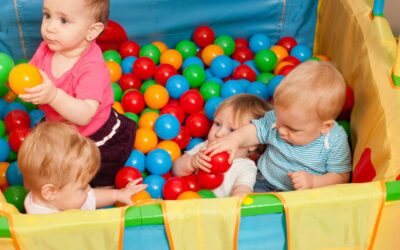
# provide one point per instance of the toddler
(306, 148)
(57, 164)
(231, 114)
(76, 84)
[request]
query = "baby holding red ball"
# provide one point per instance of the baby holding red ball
(230, 115)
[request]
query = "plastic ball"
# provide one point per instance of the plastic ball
(141, 196)
(244, 72)
(126, 175)
(203, 36)
(192, 60)
(17, 119)
(222, 66)
(275, 81)
(188, 195)
(118, 107)
(115, 71)
(14, 175)
(155, 184)
(146, 84)
(6, 65)
(24, 76)
(17, 136)
(280, 65)
(132, 116)
(13, 106)
(220, 163)
(160, 45)
(209, 181)
(158, 161)
(148, 120)
(3, 178)
(144, 68)
(127, 64)
(136, 160)
(172, 57)
(259, 89)
(266, 60)
(16, 195)
(191, 101)
(173, 187)
(129, 81)
(211, 106)
(171, 147)
(241, 42)
(145, 140)
(293, 60)
(146, 110)
(226, 43)
(210, 52)
(117, 91)
(186, 48)
(206, 194)
(243, 54)
(231, 88)
(280, 52)
(129, 48)
(259, 42)
(133, 101)
(35, 117)
(4, 150)
(285, 70)
(163, 72)
(195, 74)
(167, 126)
(301, 52)
(209, 90)
(192, 182)
(251, 64)
(174, 109)
(112, 56)
(176, 86)
(193, 142)
(183, 138)
(2, 129)
(150, 51)
(156, 96)
(287, 42)
(198, 124)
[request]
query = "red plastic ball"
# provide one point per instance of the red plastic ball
(191, 101)
(129, 48)
(173, 187)
(112, 37)
(183, 137)
(203, 36)
(286, 69)
(173, 108)
(163, 72)
(133, 101)
(198, 124)
(192, 182)
(17, 119)
(167, 175)
(17, 136)
(293, 60)
(349, 102)
(220, 163)
(241, 42)
(129, 81)
(287, 42)
(144, 68)
(244, 72)
(243, 54)
(209, 181)
(126, 175)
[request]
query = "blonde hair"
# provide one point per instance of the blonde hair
(101, 10)
(55, 153)
(313, 86)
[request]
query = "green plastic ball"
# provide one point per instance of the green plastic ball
(186, 48)
(195, 75)
(146, 110)
(16, 196)
(28, 105)
(146, 84)
(117, 91)
(346, 126)
(112, 56)
(265, 77)
(226, 43)
(132, 116)
(3, 89)
(12, 156)
(2, 128)
(265, 60)
(206, 194)
(151, 51)
(6, 65)
(209, 90)
(21, 61)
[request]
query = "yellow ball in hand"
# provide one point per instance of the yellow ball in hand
(24, 76)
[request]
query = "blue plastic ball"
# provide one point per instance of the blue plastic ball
(155, 184)
(222, 66)
(14, 106)
(235, 63)
(301, 52)
(259, 89)
(252, 65)
(3, 105)
(167, 126)
(273, 83)
(193, 142)
(243, 82)
(231, 88)
(14, 175)
(136, 159)
(36, 116)
(215, 79)
(177, 85)
(211, 106)
(127, 64)
(4, 150)
(158, 161)
(192, 60)
(209, 73)
(259, 42)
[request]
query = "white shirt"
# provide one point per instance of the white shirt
(242, 172)
(33, 208)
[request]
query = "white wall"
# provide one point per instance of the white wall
(392, 14)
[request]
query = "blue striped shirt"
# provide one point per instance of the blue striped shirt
(328, 153)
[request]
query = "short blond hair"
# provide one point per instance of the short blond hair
(101, 10)
(55, 153)
(313, 85)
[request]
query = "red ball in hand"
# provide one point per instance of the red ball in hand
(220, 163)
(209, 181)
(126, 175)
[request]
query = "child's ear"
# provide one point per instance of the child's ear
(94, 31)
(327, 126)
(48, 192)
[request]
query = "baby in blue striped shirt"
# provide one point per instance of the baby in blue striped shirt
(306, 148)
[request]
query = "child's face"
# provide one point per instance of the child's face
(224, 124)
(297, 128)
(66, 24)
(71, 196)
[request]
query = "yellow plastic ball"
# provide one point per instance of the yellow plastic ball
(171, 147)
(115, 71)
(147, 120)
(188, 195)
(24, 76)
(172, 57)
(146, 140)
(160, 45)
(156, 96)
(210, 52)
(118, 107)
(280, 52)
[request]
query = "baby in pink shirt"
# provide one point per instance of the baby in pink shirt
(76, 84)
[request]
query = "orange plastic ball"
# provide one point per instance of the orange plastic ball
(172, 57)
(3, 170)
(118, 107)
(141, 196)
(115, 71)
(188, 195)
(24, 76)
(280, 66)
(10, 96)
(156, 96)
(160, 45)
(210, 52)
(147, 120)
(171, 147)
(146, 140)
(280, 52)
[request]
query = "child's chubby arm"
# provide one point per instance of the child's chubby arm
(302, 180)
(77, 111)
(188, 164)
(106, 197)
(245, 136)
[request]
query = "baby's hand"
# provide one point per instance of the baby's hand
(44, 93)
(219, 145)
(201, 161)
(124, 195)
(302, 180)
